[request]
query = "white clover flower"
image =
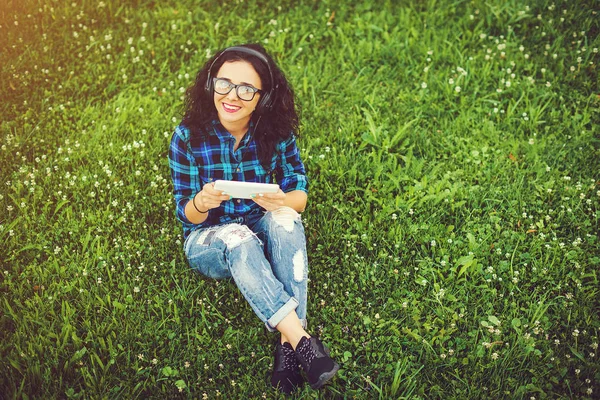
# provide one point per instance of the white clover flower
(457, 89)
(423, 85)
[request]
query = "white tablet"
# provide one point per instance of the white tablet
(245, 190)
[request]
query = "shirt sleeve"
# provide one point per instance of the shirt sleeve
(184, 172)
(290, 172)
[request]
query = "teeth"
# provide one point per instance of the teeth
(231, 108)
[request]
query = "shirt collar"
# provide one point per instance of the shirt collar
(222, 133)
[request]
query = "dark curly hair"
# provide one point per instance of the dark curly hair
(275, 125)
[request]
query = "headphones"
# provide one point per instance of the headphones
(267, 99)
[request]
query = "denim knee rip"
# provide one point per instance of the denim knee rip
(285, 217)
(299, 263)
(206, 250)
(234, 234)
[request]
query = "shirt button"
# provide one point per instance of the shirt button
(239, 201)
(237, 170)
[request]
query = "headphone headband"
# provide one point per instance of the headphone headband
(267, 99)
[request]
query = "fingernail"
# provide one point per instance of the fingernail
(260, 194)
(253, 195)
(230, 197)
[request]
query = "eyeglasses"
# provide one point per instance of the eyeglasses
(244, 92)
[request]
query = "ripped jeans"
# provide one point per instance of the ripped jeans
(266, 256)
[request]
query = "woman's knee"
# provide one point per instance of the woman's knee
(209, 251)
(284, 217)
(234, 235)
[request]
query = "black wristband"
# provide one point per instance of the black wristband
(196, 207)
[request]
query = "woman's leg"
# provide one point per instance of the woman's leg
(234, 250)
(282, 234)
(291, 329)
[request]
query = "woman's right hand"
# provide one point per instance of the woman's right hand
(209, 198)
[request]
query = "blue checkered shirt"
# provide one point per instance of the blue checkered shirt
(195, 160)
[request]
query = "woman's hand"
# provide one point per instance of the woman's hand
(209, 198)
(270, 201)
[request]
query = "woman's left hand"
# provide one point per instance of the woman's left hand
(270, 201)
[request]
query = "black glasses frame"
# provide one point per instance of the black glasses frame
(232, 86)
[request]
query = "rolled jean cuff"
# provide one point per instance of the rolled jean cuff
(280, 314)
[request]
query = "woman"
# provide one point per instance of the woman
(239, 124)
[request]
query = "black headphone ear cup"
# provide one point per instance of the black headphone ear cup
(272, 98)
(208, 87)
(264, 104)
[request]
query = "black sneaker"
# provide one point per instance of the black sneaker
(286, 370)
(315, 360)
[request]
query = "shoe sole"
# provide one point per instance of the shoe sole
(325, 377)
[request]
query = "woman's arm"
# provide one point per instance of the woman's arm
(194, 215)
(296, 199)
(184, 174)
(291, 177)
(196, 210)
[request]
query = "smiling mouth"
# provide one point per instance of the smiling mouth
(230, 108)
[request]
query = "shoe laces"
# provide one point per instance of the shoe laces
(306, 351)
(289, 361)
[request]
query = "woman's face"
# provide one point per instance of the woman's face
(231, 109)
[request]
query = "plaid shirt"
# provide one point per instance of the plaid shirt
(196, 160)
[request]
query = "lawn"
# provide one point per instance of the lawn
(453, 153)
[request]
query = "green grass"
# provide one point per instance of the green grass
(452, 221)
